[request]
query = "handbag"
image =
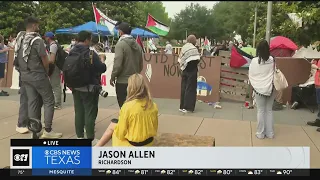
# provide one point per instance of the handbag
(279, 80)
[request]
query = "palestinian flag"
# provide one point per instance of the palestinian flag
(207, 44)
(239, 58)
(139, 41)
(103, 20)
(156, 26)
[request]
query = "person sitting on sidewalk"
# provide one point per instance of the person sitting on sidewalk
(138, 117)
(305, 89)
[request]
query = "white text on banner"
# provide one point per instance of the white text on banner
(200, 157)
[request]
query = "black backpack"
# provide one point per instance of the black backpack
(61, 57)
(77, 69)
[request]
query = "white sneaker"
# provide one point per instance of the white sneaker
(94, 142)
(22, 130)
(186, 111)
(181, 110)
(51, 135)
(57, 107)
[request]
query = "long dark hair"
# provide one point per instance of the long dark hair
(263, 51)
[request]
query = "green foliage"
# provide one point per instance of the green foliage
(227, 17)
(156, 9)
(63, 14)
(193, 20)
(282, 25)
(217, 22)
(12, 15)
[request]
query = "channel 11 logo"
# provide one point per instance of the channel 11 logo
(20, 157)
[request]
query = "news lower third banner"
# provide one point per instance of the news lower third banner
(83, 160)
(201, 157)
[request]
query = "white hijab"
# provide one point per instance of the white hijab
(261, 75)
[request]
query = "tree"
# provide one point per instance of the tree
(194, 19)
(156, 9)
(282, 25)
(229, 17)
(64, 14)
(128, 11)
(12, 16)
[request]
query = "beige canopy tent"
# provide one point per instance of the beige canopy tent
(307, 53)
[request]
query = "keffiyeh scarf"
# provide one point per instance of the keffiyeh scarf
(124, 36)
(188, 53)
(24, 40)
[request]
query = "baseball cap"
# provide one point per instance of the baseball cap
(49, 34)
(124, 27)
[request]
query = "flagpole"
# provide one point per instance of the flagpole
(94, 12)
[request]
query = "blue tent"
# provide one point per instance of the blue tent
(103, 30)
(143, 33)
(89, 26)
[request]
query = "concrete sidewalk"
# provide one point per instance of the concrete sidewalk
(232, 125)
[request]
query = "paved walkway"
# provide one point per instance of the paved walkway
(232, 125)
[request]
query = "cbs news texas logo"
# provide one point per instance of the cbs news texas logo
(20, 158)
(62, 157)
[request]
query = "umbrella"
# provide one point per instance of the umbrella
(249, 50)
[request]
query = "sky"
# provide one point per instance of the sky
(174, 7)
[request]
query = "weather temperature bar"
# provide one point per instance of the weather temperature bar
(200, 172)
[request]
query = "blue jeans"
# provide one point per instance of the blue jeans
(318, 101)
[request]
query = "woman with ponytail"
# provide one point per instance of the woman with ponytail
(138, 117)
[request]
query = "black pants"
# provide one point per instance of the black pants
(306, 94)
(188, 90)
(121, 90)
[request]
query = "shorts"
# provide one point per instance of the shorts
(2, 69)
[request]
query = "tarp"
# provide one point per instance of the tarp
(143, 33)
(89, 26)
(249, 50)
(103, 30)
(280, 42)
(308, 53)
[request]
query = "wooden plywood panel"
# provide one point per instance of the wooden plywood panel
(233, 83)
(241, 71)
(225, 60)
(234, 76)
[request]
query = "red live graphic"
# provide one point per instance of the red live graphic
(103, 79)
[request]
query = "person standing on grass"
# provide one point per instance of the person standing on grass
(3, 60)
